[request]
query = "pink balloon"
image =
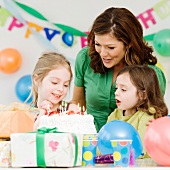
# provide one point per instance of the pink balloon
(157, 141)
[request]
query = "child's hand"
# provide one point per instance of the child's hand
(46, 105)
(150, 121)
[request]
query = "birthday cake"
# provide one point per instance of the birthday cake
(73, 123)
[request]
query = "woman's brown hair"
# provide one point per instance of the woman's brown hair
(123, 25)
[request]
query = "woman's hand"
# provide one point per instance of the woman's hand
(150, 122)
(73, 107)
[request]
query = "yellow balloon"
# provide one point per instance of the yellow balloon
(160, 66)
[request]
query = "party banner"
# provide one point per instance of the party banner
(160, 10)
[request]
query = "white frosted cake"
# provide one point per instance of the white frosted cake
(73, 123)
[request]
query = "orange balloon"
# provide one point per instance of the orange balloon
(10, 60)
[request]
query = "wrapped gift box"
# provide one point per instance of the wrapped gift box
(15, 122)
(46, 150)
(5, 153)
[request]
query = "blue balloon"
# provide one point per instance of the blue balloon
(68, 39)
(118, 130)
(23, 88)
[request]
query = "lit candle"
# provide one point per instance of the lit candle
(62, 103)
(60, 109)
(79, 110)
(65, 106)
(83, 110)
(48, 109)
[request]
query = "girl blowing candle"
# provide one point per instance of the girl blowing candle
(138, 98)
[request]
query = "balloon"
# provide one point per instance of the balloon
(157, 141)
(160, 66)
(23, 88)
(161, 42)
(118, 130)
(10, 60)
(68, 39)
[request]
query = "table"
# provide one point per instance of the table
(141, 164)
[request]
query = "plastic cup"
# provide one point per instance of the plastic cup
(89, 149)
(90, 136)
(121, 152)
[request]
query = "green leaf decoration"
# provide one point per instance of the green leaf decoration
(71, 30)
(31, 11)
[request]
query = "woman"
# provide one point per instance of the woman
(114, 41)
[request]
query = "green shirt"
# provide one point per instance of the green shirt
(99, 91)
(137, 120)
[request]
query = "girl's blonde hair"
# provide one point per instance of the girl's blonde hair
(47, 62)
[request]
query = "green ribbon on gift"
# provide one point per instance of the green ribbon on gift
(40, 145)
